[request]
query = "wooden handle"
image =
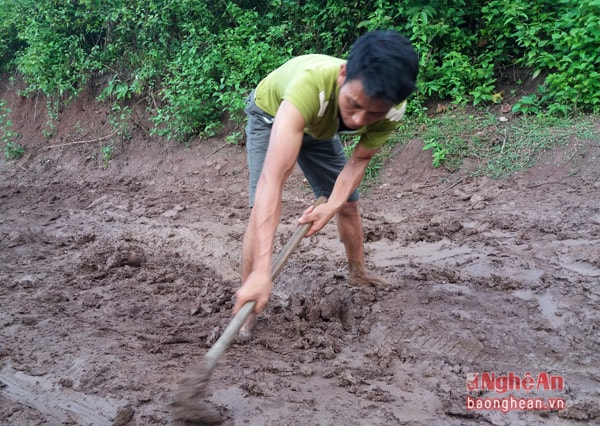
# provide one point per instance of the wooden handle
(236, 323)
(293, 242)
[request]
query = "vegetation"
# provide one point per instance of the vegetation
(191, 62)
(12, 149)
(499, 148)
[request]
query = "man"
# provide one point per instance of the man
(295, 115)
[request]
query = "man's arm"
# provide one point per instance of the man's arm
(349, 179)
(284, 145)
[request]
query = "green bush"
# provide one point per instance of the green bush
(559, 39)
(12, 149)
(574, 79)
(211, 72)
(60, 43)
(193, 61)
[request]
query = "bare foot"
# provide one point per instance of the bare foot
(362, 276)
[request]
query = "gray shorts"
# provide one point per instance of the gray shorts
(321, 161)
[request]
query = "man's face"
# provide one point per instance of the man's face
(357, 109)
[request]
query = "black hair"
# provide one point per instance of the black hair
(386, 63)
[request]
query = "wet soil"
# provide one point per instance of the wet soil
(114, 282)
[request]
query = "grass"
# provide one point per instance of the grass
(377, 162)
(498, 148)
(13, 150)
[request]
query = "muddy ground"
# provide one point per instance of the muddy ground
(114, 282)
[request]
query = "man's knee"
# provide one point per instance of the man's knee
(349, 209)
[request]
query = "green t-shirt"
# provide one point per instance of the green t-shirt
(309, 82)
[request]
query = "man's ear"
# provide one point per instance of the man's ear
(341, 75)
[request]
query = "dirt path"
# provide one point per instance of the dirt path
(115, 282)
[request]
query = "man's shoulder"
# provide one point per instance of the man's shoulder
(317, 58)
(315, 62)
(307, 81)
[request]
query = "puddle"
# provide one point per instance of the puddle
(423, 252)
(548, 305)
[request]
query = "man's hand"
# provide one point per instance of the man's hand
(257, 288)
(319, 216)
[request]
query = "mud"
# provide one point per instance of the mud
(115, 281)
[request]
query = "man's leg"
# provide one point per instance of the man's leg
(351, 233)
(322, 162)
